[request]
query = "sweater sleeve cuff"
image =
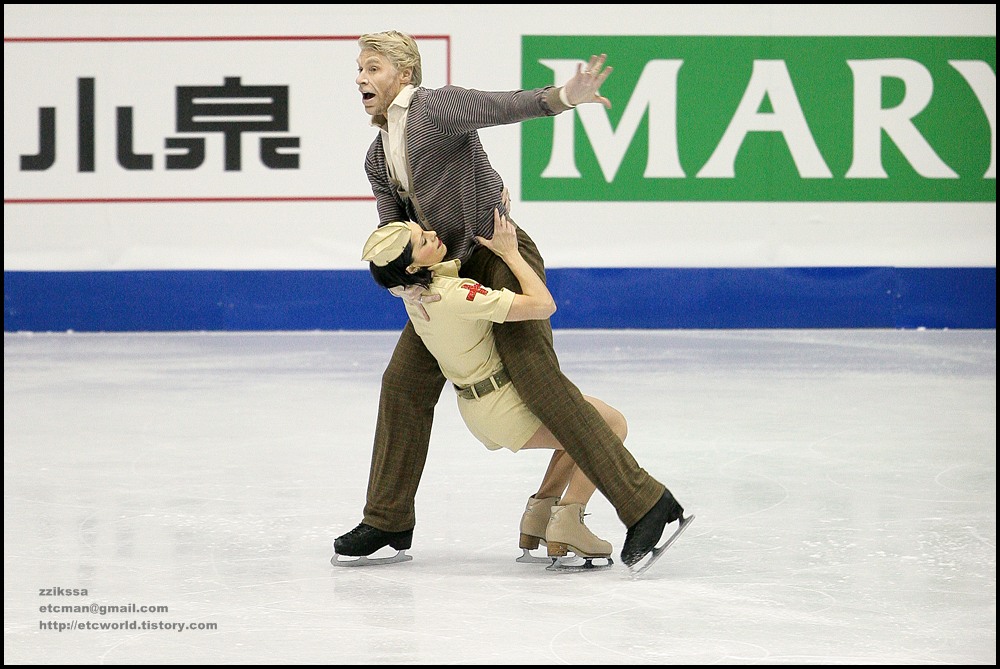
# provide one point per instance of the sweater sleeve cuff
(563, 99)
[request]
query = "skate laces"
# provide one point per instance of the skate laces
(360, 530)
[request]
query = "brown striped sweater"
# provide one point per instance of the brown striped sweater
(453, 186)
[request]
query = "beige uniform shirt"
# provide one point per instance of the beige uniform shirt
(459, 335)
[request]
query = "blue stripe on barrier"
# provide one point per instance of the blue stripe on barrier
(660, 298)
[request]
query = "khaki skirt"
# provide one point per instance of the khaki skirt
(499, 419)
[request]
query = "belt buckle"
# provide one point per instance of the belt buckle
(495, 382)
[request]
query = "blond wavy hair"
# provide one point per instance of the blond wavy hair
(399, 48)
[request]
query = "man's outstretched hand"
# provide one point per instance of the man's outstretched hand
(586, 83)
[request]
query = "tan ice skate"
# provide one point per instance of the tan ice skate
(533, 523)
(567, 532)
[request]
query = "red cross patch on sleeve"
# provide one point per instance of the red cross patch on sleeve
(474, 289)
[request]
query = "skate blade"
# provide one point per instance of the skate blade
(528, 558)
(654, 555)
(364, 560)
(574, 563)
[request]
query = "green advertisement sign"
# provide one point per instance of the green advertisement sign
(790, 119)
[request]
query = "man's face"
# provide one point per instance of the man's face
(379, 81)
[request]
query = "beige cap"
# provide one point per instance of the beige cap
(386, 243)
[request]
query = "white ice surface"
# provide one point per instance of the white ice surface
(844, 484)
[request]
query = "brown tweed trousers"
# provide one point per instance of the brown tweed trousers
(412, 384)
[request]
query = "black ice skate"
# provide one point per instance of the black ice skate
(655, 554)
(356, 548)
(641, 538)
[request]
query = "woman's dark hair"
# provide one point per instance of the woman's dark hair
(395, 274)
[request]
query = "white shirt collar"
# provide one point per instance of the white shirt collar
(402, 101)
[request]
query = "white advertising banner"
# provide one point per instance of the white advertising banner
(232, 136)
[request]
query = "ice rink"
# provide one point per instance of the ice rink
(843, 483)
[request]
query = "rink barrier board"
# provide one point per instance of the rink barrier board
(642, 298)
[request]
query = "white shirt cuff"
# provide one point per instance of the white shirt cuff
(562, 98)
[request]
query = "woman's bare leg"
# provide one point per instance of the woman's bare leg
(557, 476)
(563, 478)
